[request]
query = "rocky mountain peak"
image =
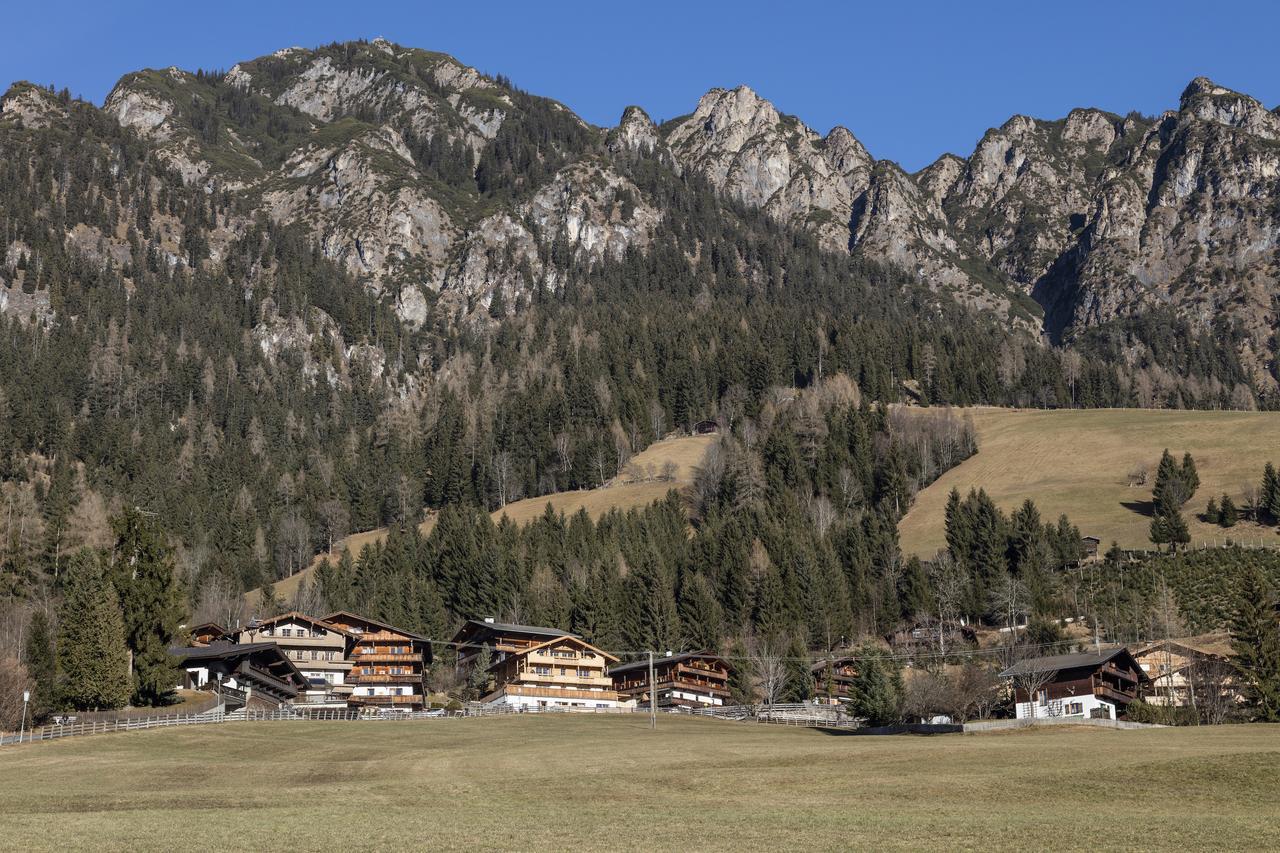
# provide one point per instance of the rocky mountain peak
(1208, 101)
(635, 132)
(31, 106)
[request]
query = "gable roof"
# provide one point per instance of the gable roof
(510, 627)
(1204, 645)
(572, 638)
(233, 651)
(664, 660)
(1085, 660)
(356, 617)
(296, 616)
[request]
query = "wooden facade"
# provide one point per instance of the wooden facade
(255, 675)
(319, 649)
(693, 680)
(1171, 666)
(537, 667)
(1102, 684)
(566, 672)
(387, 663)
(833, 679)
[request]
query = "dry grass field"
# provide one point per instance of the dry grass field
(685, 453)
(609, 783)
(1078, 462)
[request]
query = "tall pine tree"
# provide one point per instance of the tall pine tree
(92, 655)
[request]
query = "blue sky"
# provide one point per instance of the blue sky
(910, 79)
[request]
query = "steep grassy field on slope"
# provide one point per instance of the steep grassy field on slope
(1077, 461)
(684, 453)
(553, 782)
(623, 492)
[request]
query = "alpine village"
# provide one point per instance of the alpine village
(353, 381)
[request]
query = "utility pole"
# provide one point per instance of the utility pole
(653, 697)
(26, 697)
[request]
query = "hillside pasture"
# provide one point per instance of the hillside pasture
(555, 782)
(638, 487)
(1078, 461)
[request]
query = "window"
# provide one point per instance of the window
(286, 632)
(584, 673)
(1074, 708)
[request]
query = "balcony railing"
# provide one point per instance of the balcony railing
(385, 678)
(559, 693)
(388, 700)
(386, 657)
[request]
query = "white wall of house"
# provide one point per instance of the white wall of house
(382, 690)
(543, 702)
(1075, 706)
(700, 698)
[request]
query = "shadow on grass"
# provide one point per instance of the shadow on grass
(909, 729)
(1146, 508)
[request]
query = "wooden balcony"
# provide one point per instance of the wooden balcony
(415, 699)
(386, 678)
(386, 657)
(597, 679)
(1106, 691)
(558, 693)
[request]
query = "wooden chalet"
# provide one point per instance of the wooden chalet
(206, 633)
(706, 428)
(1172, 664)
(319, 650)
(563, 672)
(833, 679)
(387, 662)
(1090, 545)
(537, 667)
(244, 675)
(691, 680)
(1078, 685)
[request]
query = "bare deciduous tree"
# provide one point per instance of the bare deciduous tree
(768, 669)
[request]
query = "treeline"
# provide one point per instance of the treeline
(794, 542)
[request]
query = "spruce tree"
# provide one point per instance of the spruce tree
(1270, 496)
(877, 688)
(1212, 515)
(144, 577)
(41, 666)
(1228, 515)
(1190, 478)
(1255, 638)
(92, 655)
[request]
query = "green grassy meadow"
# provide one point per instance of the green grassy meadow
(609, 783)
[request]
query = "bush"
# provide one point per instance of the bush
(1164, 715)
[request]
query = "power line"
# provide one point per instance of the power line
(821, 657)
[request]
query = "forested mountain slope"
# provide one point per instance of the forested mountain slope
(328, 288)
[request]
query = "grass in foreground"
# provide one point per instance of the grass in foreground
(556, 783)
(1077, 461)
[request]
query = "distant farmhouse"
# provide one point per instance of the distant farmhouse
(1098, 685)
(535, 667)
(692, 680)
(341, 661)
(1176, 667)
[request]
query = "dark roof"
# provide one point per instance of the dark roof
(207, 626)
(664, 659)
(513, 628)
(222, 649)
(1085, 660)
(821, 666)
(297, 616)
(356, 617)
